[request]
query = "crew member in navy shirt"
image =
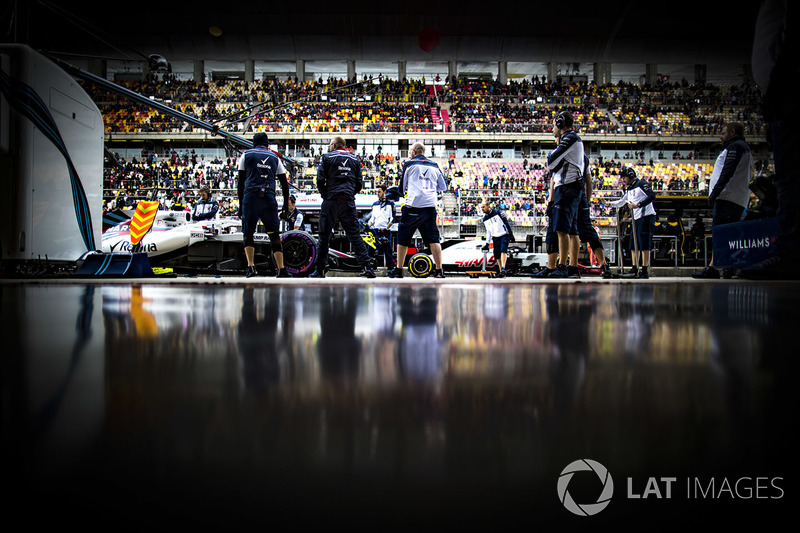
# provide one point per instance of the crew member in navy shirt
(293, 217)
(259, 167)
(338, 181)
(566, 165)
(380, 220)
(639, 198)
(498, 229)
(206, 208)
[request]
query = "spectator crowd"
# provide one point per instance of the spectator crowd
(519, 185)
(387, 105)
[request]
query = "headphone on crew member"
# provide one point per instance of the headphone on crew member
(627, 172)
(563, 120)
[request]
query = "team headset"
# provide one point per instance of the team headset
(561, 120)
(628, 172)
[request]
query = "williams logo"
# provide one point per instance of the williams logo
(585, 509)
(743, 244)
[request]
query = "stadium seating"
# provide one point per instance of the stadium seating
(471, 107)
(411, 106)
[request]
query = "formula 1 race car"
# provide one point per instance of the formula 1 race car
(474, 258)
(216, 246)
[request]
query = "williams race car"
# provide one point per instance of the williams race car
(216, 246)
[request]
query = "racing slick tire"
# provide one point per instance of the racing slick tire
(420, 265)
(299, 252)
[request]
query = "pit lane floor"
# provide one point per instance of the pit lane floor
(233, 403)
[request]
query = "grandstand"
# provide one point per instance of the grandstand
(668, 131)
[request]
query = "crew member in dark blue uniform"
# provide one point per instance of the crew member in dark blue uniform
(566, 165)
(729, 187)
(584, 230)
(259, 167)
(498, 229)
(292, 217)
(338, 181)
(551, 239)
(639, 198)
(380, 220)
(206, 207)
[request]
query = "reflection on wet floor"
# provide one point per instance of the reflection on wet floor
(226, 405)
